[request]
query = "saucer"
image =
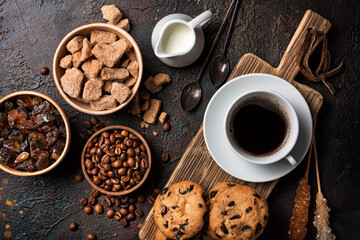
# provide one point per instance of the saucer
(215, 137)
(189, 58)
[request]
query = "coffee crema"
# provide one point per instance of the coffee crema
(260, 126)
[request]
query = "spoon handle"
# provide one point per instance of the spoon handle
(215, 41)
(228, 36)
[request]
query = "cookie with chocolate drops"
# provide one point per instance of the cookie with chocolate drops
(238, 213)
(200, 236)
(218, 187)
(180, 210)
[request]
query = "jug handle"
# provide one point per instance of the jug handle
(201, 20)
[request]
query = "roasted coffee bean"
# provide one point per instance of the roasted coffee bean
(111, 174)
(94, 120)
(107, 188)
(115, 181)
(107, 201)
(73, 226)
(87, 125)
(113, 199)
(44, 71)
(117, 216)
(89, 164)
(83, 202)
(156, 191)
(132, 200)
(144, 163)
(124, 211)
(123, 222)
(95, 192)
(105, 135)
(99, 126)
(138, 213)
(150, 199)
(130, 216)
(125, 199)
(165, 157)
(98, 208)
(131, 161)
(123, 157)
(125, 178)
(92, 200)
(122, 171)
(166, 127)
(137, 150)
(132, 208)
(90, 132)
(110, 213)
(81, 137)
(125, 205)
(88, 209)
(117, 201)
(91, 236)
(139, 225)
(78, 177)
(96, 179)
(141, 198)
(124, 133)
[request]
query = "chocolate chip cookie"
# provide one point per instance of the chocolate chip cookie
(180, 210)
(200, 236)
(239, 212)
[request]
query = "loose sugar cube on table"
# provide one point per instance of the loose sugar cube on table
(120, 92)
(111, 13)
(104, 103)
(145, 105)
(100, 36)
(119, 74)
(75, 44)
(135, 105)
(71, 82)
(151, 86)
(150, 116)
(163, 117)
(161, 79)
(107, 54)
(124, 24)
(66, 62)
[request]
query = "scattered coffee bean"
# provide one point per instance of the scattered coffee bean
(138, 213)
(132, 208)
(81, 137)
(87, 125)
(117, 201)
(124, 211)
(83, 202)
(90, 132)
(156, 191)
(44, 71)
(139, 225)
(117, 216)
(141, 198)
(165, 157)
(73, 226)
(94, 121)
(166, 127)
(123, 222)
(132, 200)
(92, 200)
(130, 217)
(99, 126)
(98, 208)
(110, 213)
(107, 202)
(78, 177)
(95, 192)
(91, 236)
(88, 209)
(151, 199)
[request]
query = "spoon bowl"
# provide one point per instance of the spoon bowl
(219, 70)
(191, 96)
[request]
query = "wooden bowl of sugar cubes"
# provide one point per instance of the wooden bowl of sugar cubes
(98, 67)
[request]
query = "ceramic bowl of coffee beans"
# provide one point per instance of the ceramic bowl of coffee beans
(116, 160)
(34, 134)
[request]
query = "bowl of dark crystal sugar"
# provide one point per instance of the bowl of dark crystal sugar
(34, 134)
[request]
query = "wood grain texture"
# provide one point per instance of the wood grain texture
(197, 164)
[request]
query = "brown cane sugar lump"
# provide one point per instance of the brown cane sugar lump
(145, 95)
(107, 86)
(66, 62)
(125, 63)
(111, 13)
(133, 68)
(151, 86)
(92, 90)
(130, 82)
(71, 82)
(122, 45)
(86, 50)
(131, 55)
(151, 114)
(145, 106)
(120, 92)
(100, 36)
(135, 105)
(76, 59)
(144, 124)
(75, 44)
(107, 54)
(161, 79)
(163, 117)
(91, 68)
(124, 24)
(119, 74)
(104, 103)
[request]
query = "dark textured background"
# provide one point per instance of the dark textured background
(29, 34)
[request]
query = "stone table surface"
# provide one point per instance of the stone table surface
(42, 207)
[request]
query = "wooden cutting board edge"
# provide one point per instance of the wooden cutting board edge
(249, 63)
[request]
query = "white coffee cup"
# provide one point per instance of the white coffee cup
(280, 104)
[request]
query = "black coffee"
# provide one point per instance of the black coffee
(259, 127)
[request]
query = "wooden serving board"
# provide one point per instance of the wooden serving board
(197, 164)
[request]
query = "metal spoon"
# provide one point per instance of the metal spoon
(220, 67)
(191, 94)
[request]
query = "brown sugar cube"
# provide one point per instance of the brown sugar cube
(111, 13)
(125, 63)
(86, 50)
(100, 36)
(107, 54)
(155, 133)
(120, 74)
(151, 86)
(144, 124)
(163, 117)
(75, 44)
(104, 103)
(124, 24)
(131, 55)
(120, 92)
(96, 66)
(151, 114)
(122, 45)
(133, 68)
(71, 82)
(76, 59)
(130, 82)
(161, 79)
(92, 90)
(66, 62)
(86, 66)
(145, 105)
(107, 86)
(135, 105)
(145, 95)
